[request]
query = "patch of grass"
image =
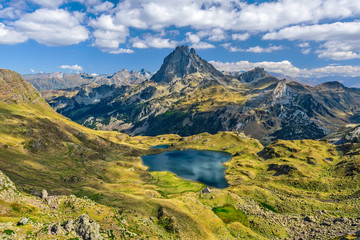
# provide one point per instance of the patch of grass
(267, 206)
(168, 184)
(9, 232)
(229, 214)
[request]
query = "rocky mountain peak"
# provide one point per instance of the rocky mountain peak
(253, 75)
(182, 62)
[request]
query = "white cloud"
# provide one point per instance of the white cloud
(153, 41)
(259, 49)
(287, 68)
(284, 67)
(240, 37)
(214, 35)
(75, 67)
(101, 7)
(337, 31)
(32, 70)
(8, 35)
(10, 13)
(121, 50)
(256, 49)
(306, 50)
(304, 45)
(49, 3)
(230, 15)
(344, 71)
(340, 50)
(195, 41)
(53, 27)
(340, 38)
(108, 34)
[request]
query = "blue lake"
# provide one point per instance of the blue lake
(203, 166)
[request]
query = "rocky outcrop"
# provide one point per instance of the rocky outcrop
(353, 135)
(8, 191)
(86, 228)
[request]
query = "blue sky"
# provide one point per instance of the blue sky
(308, 38)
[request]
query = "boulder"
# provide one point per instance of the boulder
(86, 228)
(23, 221)
(44, 194)
(69, 225)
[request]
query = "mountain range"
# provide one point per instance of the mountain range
(189, 96)
(59, 80)
(61, 180)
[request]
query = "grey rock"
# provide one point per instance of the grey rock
(44, 194)
(123, 221)
(8, 191)
(206, 190)
(69, 225)
(23, 221)
(56, 229)
(87, 229)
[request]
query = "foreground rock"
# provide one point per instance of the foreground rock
(86, 228)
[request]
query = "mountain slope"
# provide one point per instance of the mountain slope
(189, 96)
(288, 190)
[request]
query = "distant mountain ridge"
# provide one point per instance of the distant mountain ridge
(189, 96)
(59, 80)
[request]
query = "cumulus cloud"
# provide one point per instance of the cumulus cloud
(195, 41)
(256, 49)
(340, 38)
(287, 68)
(230, 15)
(101, 7)
(9, 35)
(121, 50)
(209, 21)
(284, 67)
(75, 67)
(49, 3)
(306, 50)
(340, 50)
(109, 35)
(53, 27)
(153, 41)
(337, 31)
(240, 37)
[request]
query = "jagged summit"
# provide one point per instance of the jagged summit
(182, 62)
